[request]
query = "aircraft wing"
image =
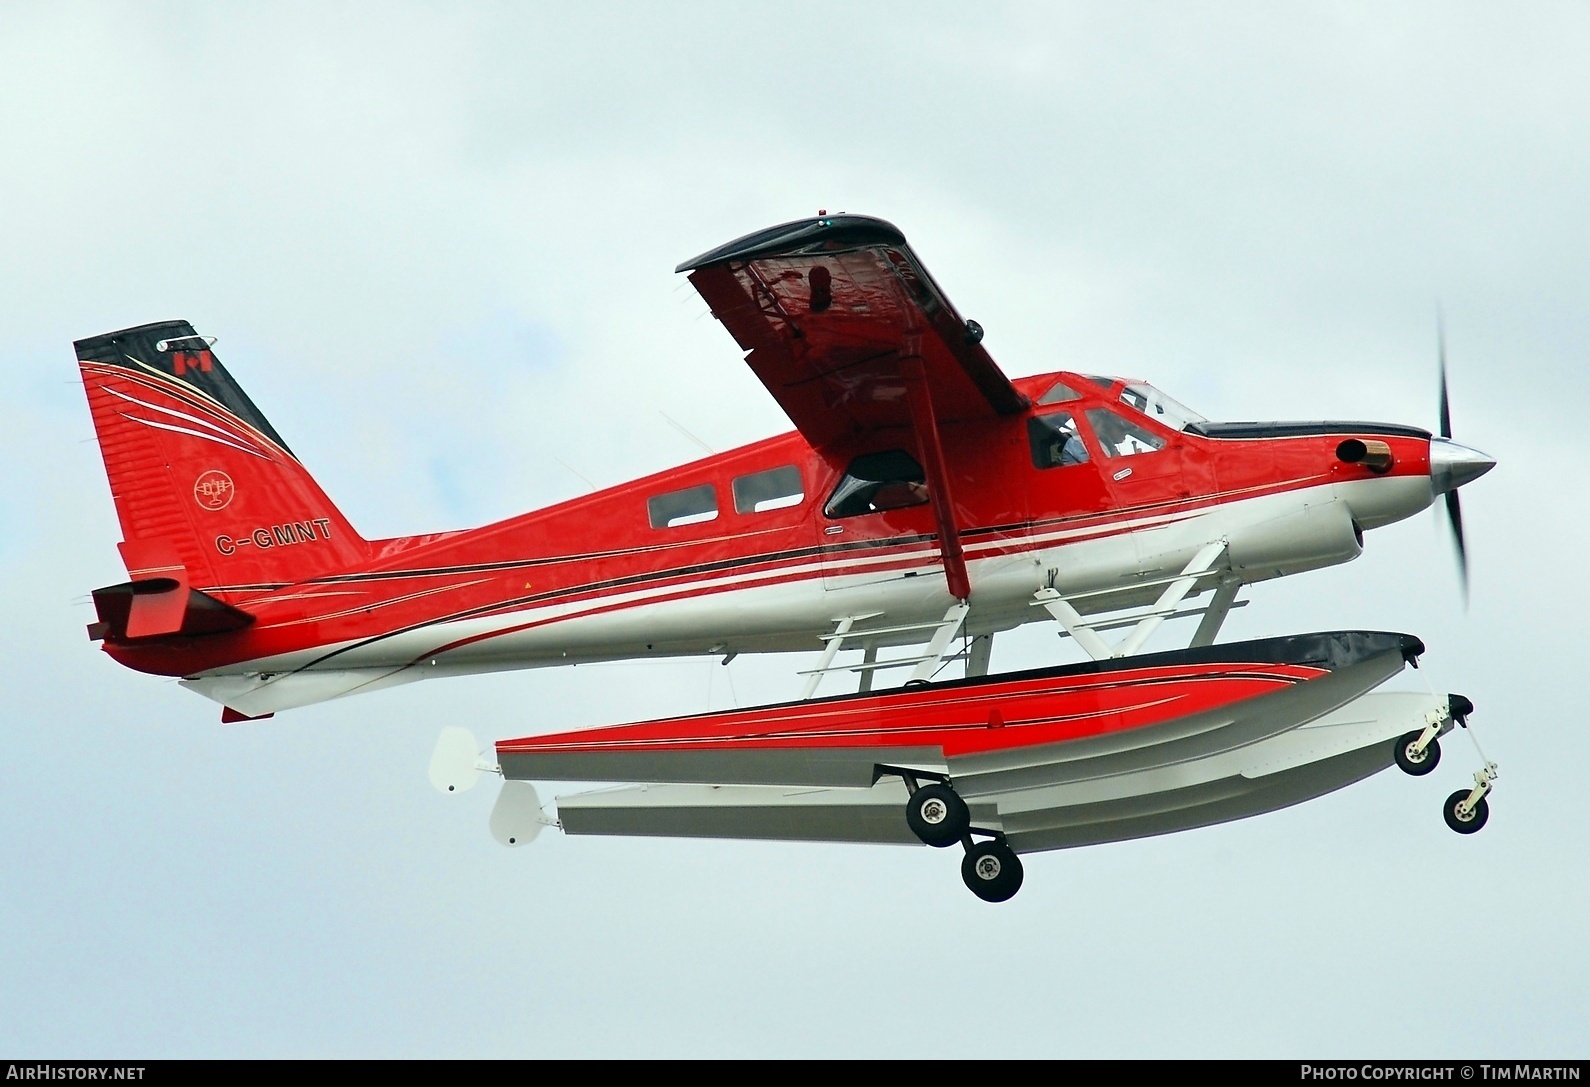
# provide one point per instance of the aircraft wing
(830, 310)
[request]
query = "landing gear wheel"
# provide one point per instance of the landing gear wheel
(992, 871)
(937, 815)
(1466, 822)
(1417, 765)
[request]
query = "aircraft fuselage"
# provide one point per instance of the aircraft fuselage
(599, 578)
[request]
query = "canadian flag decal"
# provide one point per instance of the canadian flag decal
(182, 361)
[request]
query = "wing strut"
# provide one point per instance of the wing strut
(938, 478)
(1203, 564)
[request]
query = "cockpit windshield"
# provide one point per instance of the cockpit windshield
(1157, 406)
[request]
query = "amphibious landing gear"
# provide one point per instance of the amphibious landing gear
(1418, 752)
(937, 815)
(1466, 810)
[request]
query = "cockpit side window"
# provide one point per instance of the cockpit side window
(1157, 406)
(1058, 393)
(1055, 441)
(875, 482)
(1120, 437)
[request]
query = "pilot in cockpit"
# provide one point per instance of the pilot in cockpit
(1056, 442)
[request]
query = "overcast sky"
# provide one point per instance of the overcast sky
(436, 244)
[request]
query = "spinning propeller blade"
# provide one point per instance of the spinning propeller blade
(1446, 404)
(1454, 515)
(1452, 465)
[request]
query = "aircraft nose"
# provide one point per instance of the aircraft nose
(1452, 465)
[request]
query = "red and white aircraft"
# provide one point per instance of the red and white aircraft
(925, 500)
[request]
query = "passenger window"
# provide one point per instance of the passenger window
(1121, 438)
(1054, 440)
(1058, 393)
(688, 507)
(773, 489)
(876, 482)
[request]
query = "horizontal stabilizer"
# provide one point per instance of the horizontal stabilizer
(158, 601)
(161, 608)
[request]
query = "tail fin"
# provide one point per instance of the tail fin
(196, 470)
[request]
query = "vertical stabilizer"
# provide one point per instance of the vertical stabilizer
(198, 475)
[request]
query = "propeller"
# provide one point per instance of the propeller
(1454, 508)
(1452, 465)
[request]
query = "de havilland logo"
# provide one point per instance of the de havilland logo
(213, 490)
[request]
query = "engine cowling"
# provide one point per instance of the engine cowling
(1320, 534)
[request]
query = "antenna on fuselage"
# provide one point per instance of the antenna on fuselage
(576, 472)
(676, 425)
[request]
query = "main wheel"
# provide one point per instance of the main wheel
(992, 871)
(937, 815)
(1420, 764)
(1466, 823)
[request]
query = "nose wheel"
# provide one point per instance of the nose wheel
(1463, 813)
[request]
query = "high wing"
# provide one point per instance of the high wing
(833, 313)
